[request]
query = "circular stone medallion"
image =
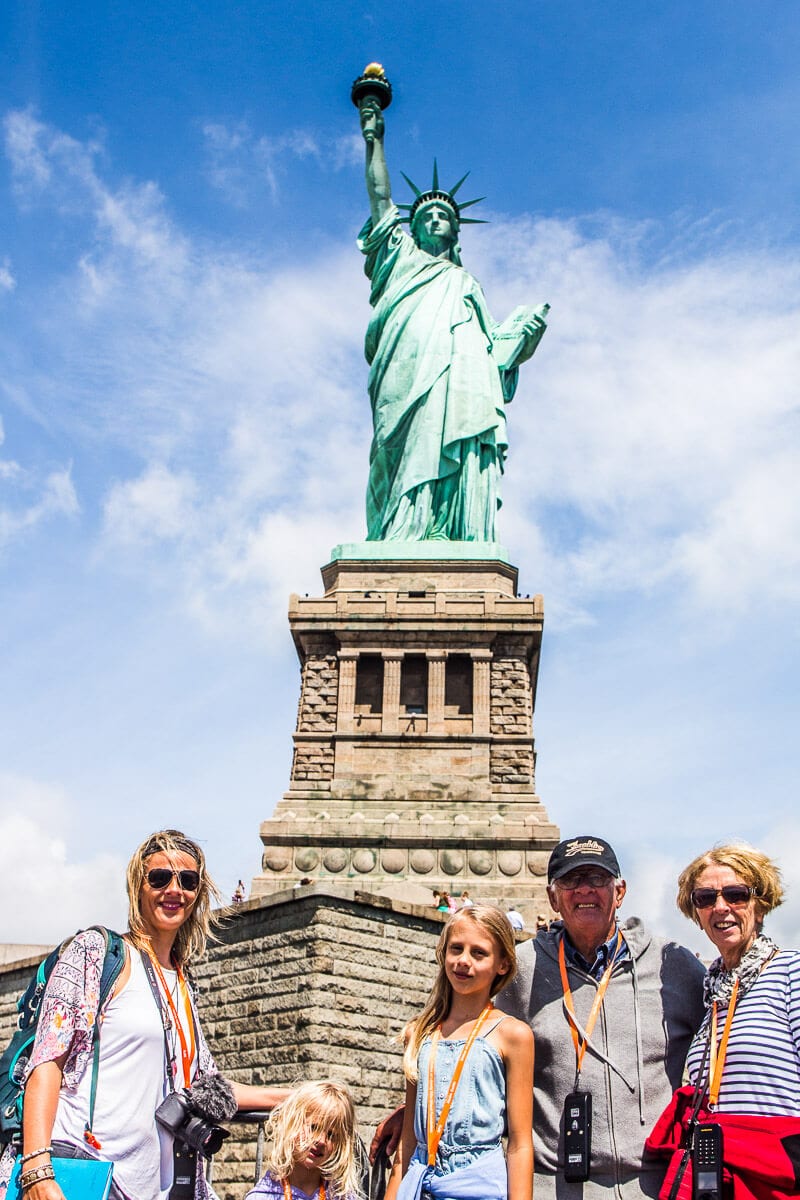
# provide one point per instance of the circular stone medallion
(452, 862)
(306, 859)
(537, 862)
(393, 861)
(335, 859)
(364, 861)
(480, 862)
(277, 858)
(422, 861)
(509, 862)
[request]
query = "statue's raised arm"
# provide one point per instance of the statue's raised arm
(378, 186)
(442, 370)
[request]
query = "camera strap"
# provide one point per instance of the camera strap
(169, 1014)
(436, 1128)
(287, 1190)
(717, 1055)
(581, 1042)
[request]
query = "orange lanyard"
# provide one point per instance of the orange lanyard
(287, 1191)
(580, 1045)
(187, 1051)
(436, 1128)
(717, 1056)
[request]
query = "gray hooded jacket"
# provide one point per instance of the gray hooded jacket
(634, 1061)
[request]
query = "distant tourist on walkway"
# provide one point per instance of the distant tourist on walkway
(516, 919)
(465, 900)
(240, 895)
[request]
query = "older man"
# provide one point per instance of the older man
(613, 1011)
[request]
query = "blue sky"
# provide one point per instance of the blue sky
(184, 426)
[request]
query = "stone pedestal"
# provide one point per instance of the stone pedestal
(414, 762)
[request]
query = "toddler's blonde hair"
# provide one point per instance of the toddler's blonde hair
(321, 1103)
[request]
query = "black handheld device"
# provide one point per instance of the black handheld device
(707, 1162)
(577, 1136)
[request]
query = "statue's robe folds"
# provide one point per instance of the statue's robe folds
(438, 397)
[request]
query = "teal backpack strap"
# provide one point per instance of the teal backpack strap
(113, 962)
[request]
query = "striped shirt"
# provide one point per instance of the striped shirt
(761, 1075)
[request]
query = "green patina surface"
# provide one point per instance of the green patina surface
(441, 371)
(421, 551)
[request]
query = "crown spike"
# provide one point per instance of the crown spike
(455, 188)
(469, 203)
(413, 186)
(437, 195)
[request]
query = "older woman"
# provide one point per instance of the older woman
(151, 1040)
(744, 1063)
(753, 988)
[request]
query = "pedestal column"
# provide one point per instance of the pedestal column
(391, 692)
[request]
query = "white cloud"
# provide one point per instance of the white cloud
(43, 895)
(238, 160)
(53, 496)
(658, 406)
(653, 440)
(7, 280)
(156, 506)
(51, 167)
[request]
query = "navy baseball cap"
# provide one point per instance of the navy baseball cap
(582, 852)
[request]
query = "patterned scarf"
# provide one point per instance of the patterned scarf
(719, 982)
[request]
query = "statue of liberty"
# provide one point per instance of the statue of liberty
(441, 369)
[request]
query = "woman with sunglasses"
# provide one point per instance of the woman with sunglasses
(752, 990)
(151, 1039)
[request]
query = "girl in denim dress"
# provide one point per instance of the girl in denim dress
(469, 1073)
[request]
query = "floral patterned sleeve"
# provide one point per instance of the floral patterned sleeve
(69, 1007)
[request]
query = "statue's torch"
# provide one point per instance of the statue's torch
(373, 85)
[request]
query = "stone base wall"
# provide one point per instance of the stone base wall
(302, 985)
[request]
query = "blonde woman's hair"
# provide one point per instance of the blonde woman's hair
(196, 930)
(752, 866)
(492, 921)
(292, 1127)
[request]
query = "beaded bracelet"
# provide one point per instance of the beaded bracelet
(36, 1175)
(35, 1153)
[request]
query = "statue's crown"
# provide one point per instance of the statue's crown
(439, 195)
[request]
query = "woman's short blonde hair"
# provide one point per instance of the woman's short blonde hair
(196, 931)
(292, 1127)
(752, 866)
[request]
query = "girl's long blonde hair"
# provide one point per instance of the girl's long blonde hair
(292, 1126)
(496, 924)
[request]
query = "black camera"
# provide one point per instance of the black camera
(176, 1114)
(707, 1162)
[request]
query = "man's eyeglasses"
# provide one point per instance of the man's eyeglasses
(733, 893)
(592, 879)
(161, 877)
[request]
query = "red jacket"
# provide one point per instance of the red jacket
(761, 1154)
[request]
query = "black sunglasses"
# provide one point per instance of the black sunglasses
(733, 893)
(161, 877)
